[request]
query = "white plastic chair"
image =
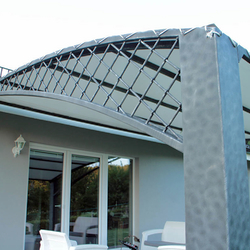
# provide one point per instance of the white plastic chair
(52, 240)
(173, 237)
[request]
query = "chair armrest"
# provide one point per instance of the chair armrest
(145, 234)
(41, 245)
(73, 242)
(172, 247)
(89, 247)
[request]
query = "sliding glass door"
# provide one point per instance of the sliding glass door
(84, 199)
(119, 200)
(44, 195)
(87, 196)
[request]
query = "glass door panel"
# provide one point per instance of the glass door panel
(84, 199)
(119, 200)
(44, 195)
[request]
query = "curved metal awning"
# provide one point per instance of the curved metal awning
(130, 82)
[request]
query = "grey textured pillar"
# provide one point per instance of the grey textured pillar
(216, 182)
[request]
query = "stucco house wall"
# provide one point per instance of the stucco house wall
(159, 189)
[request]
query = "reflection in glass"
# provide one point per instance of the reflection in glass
(84, 199)
(119, 200)
(44, 195)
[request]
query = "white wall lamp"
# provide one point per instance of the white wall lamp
(19, 145)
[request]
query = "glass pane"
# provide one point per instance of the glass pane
(44, 195)
(84, 199)
(119, 200)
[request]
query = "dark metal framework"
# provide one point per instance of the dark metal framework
(134, 78)
(137, 77)
(4, 71)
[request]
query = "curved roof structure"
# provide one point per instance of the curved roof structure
(130, 82)
(160, 83)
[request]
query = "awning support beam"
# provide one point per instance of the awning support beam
(216, 180)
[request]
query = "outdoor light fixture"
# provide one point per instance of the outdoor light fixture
(19, 145)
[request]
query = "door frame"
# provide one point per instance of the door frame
(103, 187)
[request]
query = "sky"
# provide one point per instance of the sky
(30, 29)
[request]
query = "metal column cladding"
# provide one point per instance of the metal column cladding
(216, 182)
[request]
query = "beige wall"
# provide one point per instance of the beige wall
(160, 178)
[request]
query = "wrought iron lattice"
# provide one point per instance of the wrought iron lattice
(139, 78)
(4, 71)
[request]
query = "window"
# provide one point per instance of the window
(44, 195)
(119, 200)
(84, 199)
(88, 196)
